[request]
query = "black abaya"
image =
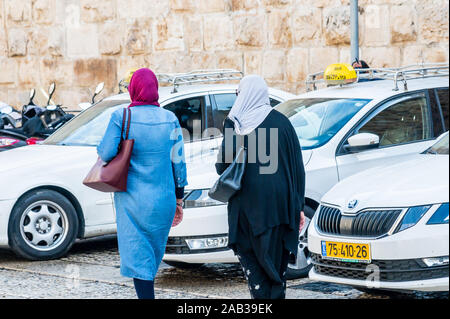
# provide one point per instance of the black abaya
(264, 215)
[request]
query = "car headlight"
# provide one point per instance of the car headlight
(7, 141)
(207, 243)
(440, 216)
(412, 217)
(200, 198)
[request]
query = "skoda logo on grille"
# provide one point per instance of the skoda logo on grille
(352, 204)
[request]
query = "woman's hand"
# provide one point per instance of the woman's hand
(178, 213)
(302, 220)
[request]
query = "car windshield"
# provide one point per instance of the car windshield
(440, 148)
(317, 120)
(88, 128)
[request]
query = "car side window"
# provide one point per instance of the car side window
(443, 99)
(403, 122)
(224, 103)
(189, 113)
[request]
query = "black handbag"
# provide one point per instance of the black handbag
(230, 180)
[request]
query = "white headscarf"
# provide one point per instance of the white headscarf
(251, 106)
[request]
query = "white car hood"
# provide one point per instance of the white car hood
(38, 157)
(420, 181)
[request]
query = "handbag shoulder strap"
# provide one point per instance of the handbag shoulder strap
(123, 123)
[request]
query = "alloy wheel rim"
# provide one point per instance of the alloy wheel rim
(303, 256)
(43, 225)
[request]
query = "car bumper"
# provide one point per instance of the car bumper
(396, 260)
(5, 211)
(200, 223)
(440, 284)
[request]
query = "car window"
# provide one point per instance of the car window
(189, 113)
(316, 121)
(224, 103)
(443, 99)
(88, 128)
(403, 122)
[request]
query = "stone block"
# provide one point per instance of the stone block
(182, 5)
(57, 70)
(210, 6)
(297, 65)
(253, 62)
(279, 28)
(17, 40)
(433, 20)
(336, 22)
(237, 5)
(382, 57)
(97, 11)
(28, 73)
(320, 58)
(132, 9)
(376, 25)
(44, 11)
(307, 24)
(110, 38)
(168, 34)
(82, 41)
(18, 12)
(193, 33)
(274, 66)
(90, 72)
(249, 30)
(218, 32)
(403, 24)
(138, 39)
(9, 71)
(230, 60)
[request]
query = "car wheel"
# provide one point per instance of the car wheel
(42, 226)
(181, 265)
(301, 266)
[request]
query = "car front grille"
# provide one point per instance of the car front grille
(368, 224)
(381, 270)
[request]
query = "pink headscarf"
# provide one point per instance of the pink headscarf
(143, 88)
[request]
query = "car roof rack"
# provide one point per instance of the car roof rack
(199, 76)
(403, 74)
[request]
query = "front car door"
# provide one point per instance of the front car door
(404, 126)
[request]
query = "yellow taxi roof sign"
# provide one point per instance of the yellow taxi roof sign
(339, 74)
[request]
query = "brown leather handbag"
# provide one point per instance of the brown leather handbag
(112, 177)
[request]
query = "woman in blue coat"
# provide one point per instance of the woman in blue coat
(156, 180)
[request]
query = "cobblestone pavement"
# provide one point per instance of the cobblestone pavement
(91, 270)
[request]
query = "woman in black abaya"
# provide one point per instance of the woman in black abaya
(264, 217)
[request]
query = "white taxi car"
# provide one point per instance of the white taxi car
(387, 228)
(44, 206)
(342, 131)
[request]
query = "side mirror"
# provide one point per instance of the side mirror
(51, 89)
(362, 142)
(32, 94)
(99, 88)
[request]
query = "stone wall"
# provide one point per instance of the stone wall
(78, 43)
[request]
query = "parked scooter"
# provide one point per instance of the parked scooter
(98, 90)
(37, 123)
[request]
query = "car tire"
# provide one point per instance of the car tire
(182, 265)
(43, 225)
(302, 265)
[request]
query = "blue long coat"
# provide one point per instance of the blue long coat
(146, 210)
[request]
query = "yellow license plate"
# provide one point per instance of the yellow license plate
(347, 252)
